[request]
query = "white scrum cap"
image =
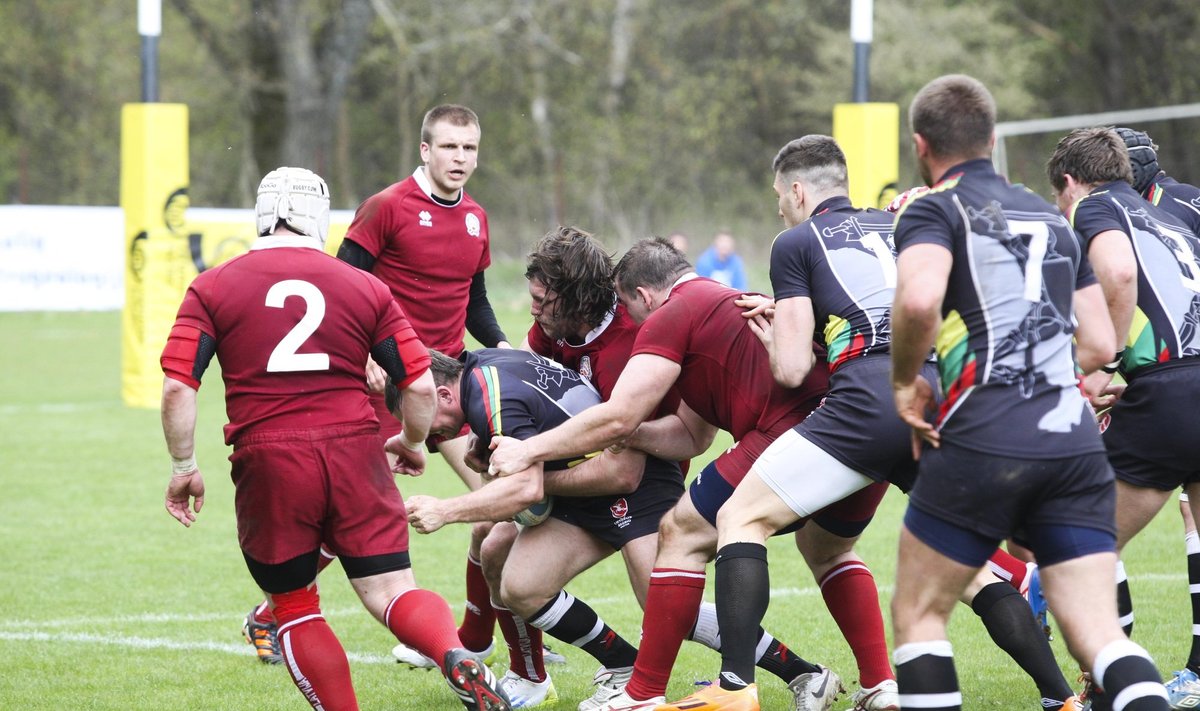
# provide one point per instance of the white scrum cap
(297, 196)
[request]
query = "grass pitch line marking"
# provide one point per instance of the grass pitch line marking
(54, 408)
(235, 619)
(242, 649)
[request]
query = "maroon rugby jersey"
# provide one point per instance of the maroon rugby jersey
(292, 328)
(427, 253)
(726, 376)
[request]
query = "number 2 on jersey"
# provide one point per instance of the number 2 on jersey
(285, 359)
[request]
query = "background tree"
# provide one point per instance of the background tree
(628, 117)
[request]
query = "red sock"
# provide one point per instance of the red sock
(853, 601)
(1009, 568)
(314, 657)
(479, 619)
(524, 645)
(263, 614)
(671, 606)
(422, 620)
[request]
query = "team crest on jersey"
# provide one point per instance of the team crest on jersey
(472, 224)
(424, 218)
(620, 513)
(585, 367)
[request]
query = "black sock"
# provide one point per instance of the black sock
(1012, 627)
(925, 672)
(1193, 565)
(1130, 666)
(743, 593)
(781, 661)
(776, 657)
(1124, 601)
(572, 621)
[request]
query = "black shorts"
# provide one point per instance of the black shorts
(857, 423)
(998, 497)
(1152, 433)
(619, 519)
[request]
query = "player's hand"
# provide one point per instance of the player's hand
(1101, 391)
(409, 461)
(914, 402)
(763, 329)
(425, 513)
(477, 455)
(756, 305)
(181, 490)
(509, 456)
(376, 376)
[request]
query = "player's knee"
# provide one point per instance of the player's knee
(520, 593)
(296, 604)
(493, 552)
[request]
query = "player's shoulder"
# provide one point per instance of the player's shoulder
(469, 203)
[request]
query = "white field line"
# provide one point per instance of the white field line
(157, 643)
(52, 408)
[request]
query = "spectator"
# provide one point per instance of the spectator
(721, 262)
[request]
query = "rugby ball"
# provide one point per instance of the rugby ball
(536, 513)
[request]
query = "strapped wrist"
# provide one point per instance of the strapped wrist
(410, 445)
(1115, 364)
(187, 465)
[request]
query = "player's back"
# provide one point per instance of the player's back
(515, 393)
(1180, 200)
(1168, 260)
(293, 328)
(844, 259)
(1005, 346)
(726, 371)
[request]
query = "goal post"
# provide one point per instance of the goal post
(154, 185)
(869, 134)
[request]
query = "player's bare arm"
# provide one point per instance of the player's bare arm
(676, 437)
(499, 500)
(1095, 344)
(788, 339)
(922, 273)
(606, 473)
(1112, 258)
(642, 385)
(179, 428)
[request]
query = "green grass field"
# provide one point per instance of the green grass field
(108, 603)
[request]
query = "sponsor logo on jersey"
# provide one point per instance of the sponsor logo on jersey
(585, 367)
(473, 224)
(425, 219)
(620, 513)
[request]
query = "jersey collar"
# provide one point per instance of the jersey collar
(837, 202)
(286, 240)
(423, 182)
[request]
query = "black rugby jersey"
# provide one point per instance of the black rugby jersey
(519, 394)
(844, 259)
(1180, 200)
(1165, 322)
(1005, 351)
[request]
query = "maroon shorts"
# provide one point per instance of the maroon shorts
(298, 489)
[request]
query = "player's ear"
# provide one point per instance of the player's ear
(921, 146)
(445, 396)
